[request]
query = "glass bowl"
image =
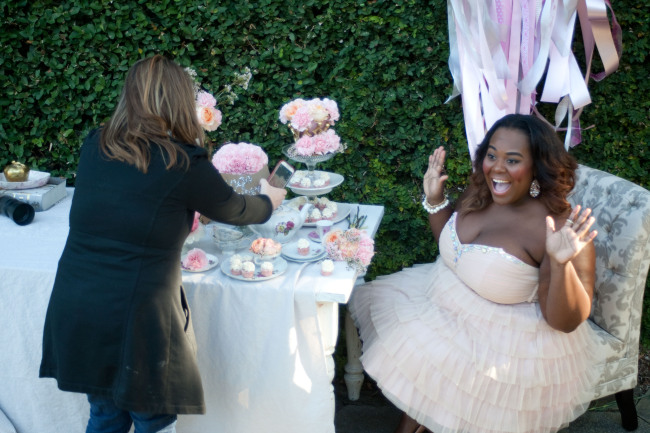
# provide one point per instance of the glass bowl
(227, 238)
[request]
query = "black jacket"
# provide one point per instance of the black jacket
(118, 323)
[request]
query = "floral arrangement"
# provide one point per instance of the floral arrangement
(206, 104)
(240, 158)
(353, 246)
(197, 231)
(195, 259)
(310, 122)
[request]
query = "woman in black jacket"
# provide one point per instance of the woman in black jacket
(118, 325)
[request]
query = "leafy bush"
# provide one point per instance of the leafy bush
(385, 63)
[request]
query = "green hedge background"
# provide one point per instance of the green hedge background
(384, 62)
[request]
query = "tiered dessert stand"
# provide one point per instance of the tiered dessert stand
(311, 161)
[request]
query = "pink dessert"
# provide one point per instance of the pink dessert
(248, 269)
(266, 269)
(303, 247)
(266, 247)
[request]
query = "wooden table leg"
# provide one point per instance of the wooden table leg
(353, 369)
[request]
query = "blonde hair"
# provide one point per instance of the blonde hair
(156, 106)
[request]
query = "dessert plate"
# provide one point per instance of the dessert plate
(335, 180)
(279, 267)
(212, 262)
(290, 252)
(343, 210)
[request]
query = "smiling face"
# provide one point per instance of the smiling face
(508, 166)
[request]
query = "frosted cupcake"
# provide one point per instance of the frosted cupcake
(327, 214)
(266, 269)
(248, 269)
(326, 267)
(319, 183)
(303, 246)
(314, 215)
(235, 266)
(305, 182)
(297, 177)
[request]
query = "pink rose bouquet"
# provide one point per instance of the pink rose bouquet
(195, 259)
(353, 246)
(241, 158)
(309, 121)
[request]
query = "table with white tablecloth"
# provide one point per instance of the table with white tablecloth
(264, 348)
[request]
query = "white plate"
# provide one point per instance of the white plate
(212, 262)
(343, 210)
(34, 180)
(279, 268)
(335, 180)
(290, 251)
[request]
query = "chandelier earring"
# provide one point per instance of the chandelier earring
(534, 189)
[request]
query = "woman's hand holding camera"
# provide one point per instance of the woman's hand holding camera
(276, 195)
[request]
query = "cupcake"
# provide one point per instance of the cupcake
(319, 183)
(305, 182)
(248, 269)
(326, 267)
(235, 266)
(314, 215)
(303, 246)
(266, 269)
(324, 177)
(327, 214)
(297, 177)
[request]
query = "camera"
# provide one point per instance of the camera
(22, 213)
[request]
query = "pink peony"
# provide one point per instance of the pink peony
(205, 99)
(241, 158)
(195, 259)
(209, 117)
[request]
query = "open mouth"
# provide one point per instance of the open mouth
(500, 186)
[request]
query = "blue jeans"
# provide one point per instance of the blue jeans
(105, 417)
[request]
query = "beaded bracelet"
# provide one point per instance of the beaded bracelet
(434, 209)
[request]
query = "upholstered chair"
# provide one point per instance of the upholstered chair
(622, 211)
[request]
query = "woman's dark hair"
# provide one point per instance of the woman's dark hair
(553, 167)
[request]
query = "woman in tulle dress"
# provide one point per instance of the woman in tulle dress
(491, 337)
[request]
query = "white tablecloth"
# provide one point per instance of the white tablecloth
(264, 347)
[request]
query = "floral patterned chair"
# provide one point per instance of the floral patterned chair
(622, 211)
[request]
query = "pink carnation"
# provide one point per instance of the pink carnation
(353, 246)
(196, 259)
(320, 144)
(332, 108)
(301, 120)
(241, 158)
(205, 99)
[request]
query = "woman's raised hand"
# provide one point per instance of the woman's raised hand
(434, 180)
(564, 244)
(276, 195)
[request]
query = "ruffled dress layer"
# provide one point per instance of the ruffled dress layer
(461, 345)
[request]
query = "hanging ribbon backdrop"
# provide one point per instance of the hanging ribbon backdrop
(501, 49)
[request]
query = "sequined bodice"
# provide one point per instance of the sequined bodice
(489, 271)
